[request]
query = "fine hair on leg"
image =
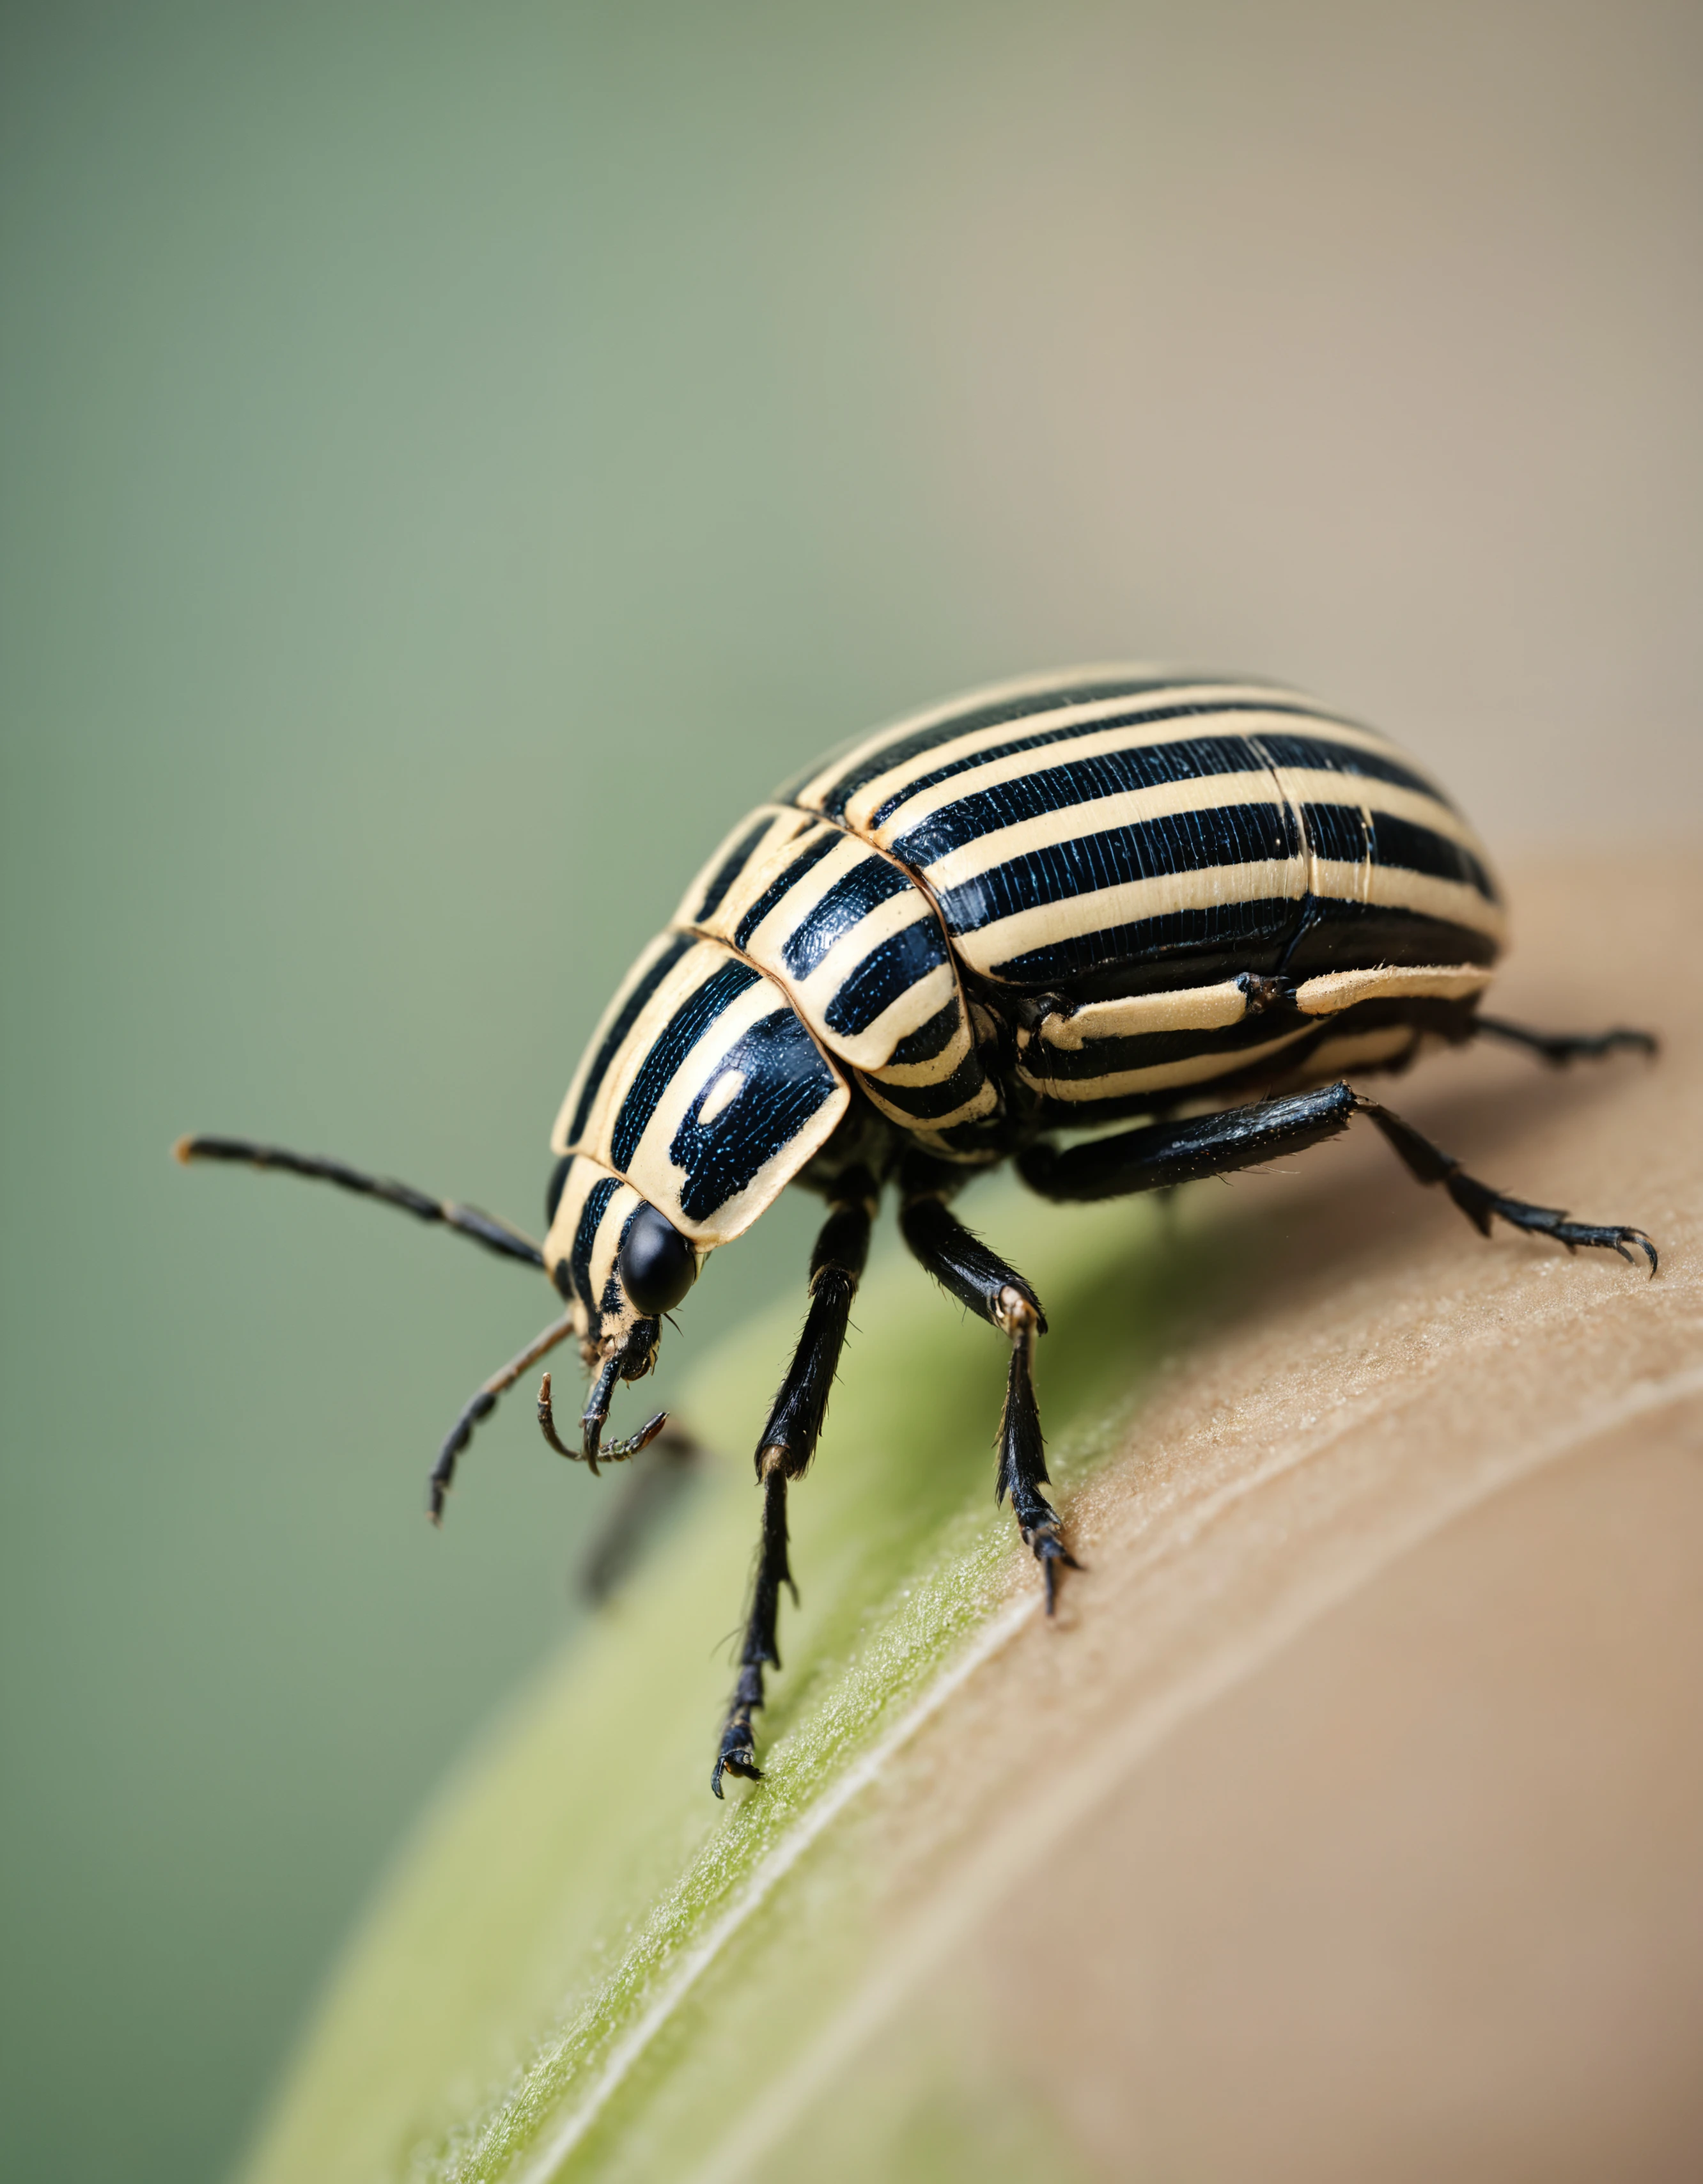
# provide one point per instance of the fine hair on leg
(1161, 1153)
(967, 1270)
(786, 1444)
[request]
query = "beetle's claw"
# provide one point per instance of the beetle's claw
(1051, 1551)
(737, 1756)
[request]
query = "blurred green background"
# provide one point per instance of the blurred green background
(454, 460)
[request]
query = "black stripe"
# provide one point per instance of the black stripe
(1077, 781)
(928, 1102)
(1415, 849)
(847, 903)
(1180, 842)
(1355, 936)
(729, 870)
(1338, 833)
(1111, 1057)
(786, 1082)
(883, 975)
(1313, 753)
(670, 1048)
(1043, 738)
(612, 1298)
(585, 1235)
(624, 1022)
(929, 1038)
(1156, 955)
(779, 887)
(1033, 704)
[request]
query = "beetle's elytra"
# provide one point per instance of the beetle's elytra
(1082, 899)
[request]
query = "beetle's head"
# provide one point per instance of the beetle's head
(621, 1266)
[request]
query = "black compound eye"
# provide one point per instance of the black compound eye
(656, 1264)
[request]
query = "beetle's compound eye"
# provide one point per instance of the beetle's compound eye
(656, 1264)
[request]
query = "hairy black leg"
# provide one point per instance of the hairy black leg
(1558, 1048)
(1159, 1154)
(650, 1491)
(1216, 1144)
(482, 1404)
(963, 1264)
(738, 1754)
(497, 1236)
(1428, 1163)
(788, 1444)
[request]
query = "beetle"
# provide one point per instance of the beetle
(1084, 898)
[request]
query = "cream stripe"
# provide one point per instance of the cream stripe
(696, 1070)
(888, 918)
(694, 969)
(1390, 887)
(778, 853)
(1162, 1076)
(984, 1101)
(1333, 990)
(1181, 692)
(938, 1067)
(1128, 904)
(872, 1049)
(1093, 742)
(767, 942)
(1133, 808)
(785, 825)
(1359, 793)
(559, 1134)
(1193, 1008)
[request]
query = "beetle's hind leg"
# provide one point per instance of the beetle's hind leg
(1428, 1163)
(961, 1263)
(1559, 1048)
(784, 1453)
(1161, 1153)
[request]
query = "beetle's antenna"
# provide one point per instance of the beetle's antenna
(482, 1405)
(497, 1236)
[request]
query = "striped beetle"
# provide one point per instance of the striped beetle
(1054, 904)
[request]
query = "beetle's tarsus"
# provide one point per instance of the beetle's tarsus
(738, 1752)
(1429, 1164)
(1048, 1547)
(1558, 1049)
(962, 1265)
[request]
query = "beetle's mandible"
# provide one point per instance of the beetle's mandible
(1082, 899)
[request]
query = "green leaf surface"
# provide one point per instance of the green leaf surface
(582, 1965)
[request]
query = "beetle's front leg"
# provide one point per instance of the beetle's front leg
(963, 1264)
(788, 1444)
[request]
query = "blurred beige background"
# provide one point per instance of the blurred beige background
(455, 460)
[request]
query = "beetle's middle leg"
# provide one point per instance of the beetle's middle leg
(962, 1263)
(788, 1444)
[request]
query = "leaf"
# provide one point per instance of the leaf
(579, 1939)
